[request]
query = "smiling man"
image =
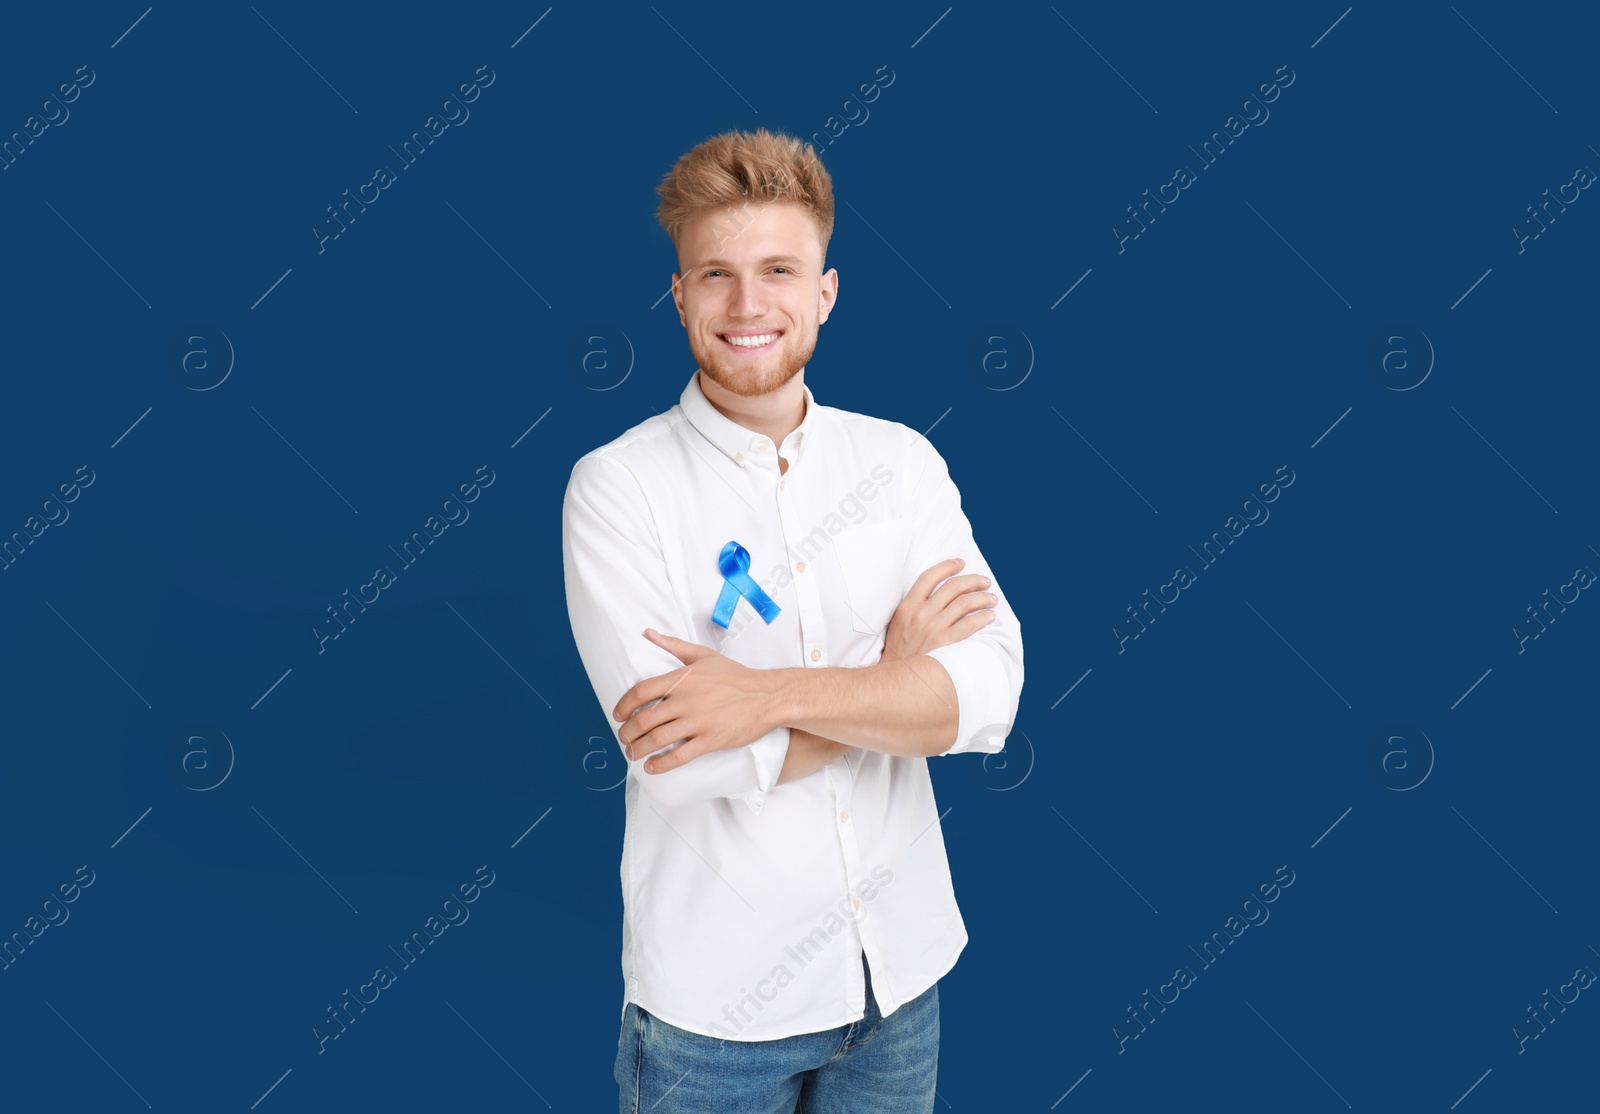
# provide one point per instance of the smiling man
(781, 606)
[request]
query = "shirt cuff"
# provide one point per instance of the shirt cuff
(983, 695)
(768, 753)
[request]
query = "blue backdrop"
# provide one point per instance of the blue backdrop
(1258, 337)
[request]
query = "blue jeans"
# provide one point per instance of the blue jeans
(873, 1066)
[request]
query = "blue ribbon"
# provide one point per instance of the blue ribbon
(736, 581)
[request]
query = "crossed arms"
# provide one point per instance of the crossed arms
(945, 681)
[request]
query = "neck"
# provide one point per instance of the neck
(776, 414)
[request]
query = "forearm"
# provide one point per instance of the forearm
(904, 707)
(808, 753)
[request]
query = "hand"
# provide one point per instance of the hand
(713, 703)
(927, 619)
(808, 753)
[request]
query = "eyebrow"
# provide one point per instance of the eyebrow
(768, 260)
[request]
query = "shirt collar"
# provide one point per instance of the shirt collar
(728, 435)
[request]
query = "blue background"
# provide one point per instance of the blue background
(1244, 730)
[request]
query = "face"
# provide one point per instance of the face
(755, 274)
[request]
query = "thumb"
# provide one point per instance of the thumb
(686, 652)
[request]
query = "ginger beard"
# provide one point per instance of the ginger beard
(749, 375)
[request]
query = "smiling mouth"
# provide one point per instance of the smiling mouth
(751, 342)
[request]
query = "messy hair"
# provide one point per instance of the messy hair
(736, 168)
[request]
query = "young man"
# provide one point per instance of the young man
(781, 606)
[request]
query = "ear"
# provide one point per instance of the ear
(828, 295)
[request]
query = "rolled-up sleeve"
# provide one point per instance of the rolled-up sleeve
(986, 666)
(617, 584)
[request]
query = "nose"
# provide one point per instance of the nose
(749, 299)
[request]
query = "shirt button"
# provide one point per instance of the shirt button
(799, 566)
(739, 457)
(816, 655)
(780, 488)
(844, 815)
(855, 903)
(760, 446)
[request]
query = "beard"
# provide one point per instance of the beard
(724, 368)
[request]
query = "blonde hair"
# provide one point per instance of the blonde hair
(736, 168)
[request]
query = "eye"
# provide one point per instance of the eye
(710, 273)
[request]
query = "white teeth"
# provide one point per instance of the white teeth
(752, 342)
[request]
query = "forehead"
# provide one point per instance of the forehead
(749, 233)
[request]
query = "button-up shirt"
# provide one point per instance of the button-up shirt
(747, 904)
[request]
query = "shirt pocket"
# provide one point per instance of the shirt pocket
(872, 560)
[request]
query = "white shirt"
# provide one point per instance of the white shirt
(747, 904)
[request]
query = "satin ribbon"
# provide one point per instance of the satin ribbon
(734, 562)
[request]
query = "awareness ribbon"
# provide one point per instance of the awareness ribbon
(734, 562)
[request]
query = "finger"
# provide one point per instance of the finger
(664, 728)
(678, 756)
(964, 605)
(641, 722)
(922, 586)
(957, 585)
(970, 624)
(651, 688)
(685, 651)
